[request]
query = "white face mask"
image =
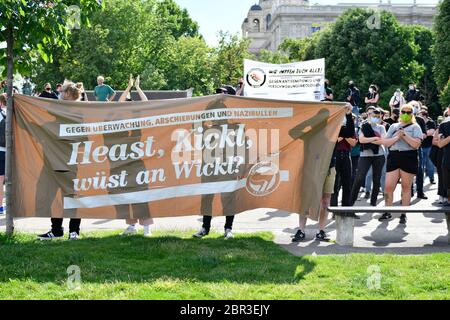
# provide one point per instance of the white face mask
(397, 94)
(411, 87)
(374, 120)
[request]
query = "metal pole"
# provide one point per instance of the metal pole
(9, 115)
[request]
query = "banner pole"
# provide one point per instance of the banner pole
(9, 141)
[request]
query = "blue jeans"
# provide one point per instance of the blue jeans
(428, 166)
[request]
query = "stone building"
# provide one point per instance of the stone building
(270, 21)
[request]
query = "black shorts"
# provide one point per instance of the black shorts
(407, 161)
(2, 163)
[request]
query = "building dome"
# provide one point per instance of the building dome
(256, 7)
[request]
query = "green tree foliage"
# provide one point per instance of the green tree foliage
(126, 37)
(229, 59)
(445, 95)
(276, 57)
(441, 49)
(383, 56)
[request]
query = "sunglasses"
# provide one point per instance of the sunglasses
(407, 112)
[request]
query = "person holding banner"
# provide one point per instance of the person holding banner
(69, 91)
(327, 192)
(146, 222)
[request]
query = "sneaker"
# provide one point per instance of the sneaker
(228, 234)
(385, 217)
(147, 232)
(299, 236)
(422, 196)
(367, 195)
(403, 219)
(322, 236)
(49, 236)
(130, 230)
(201, 233)
(74, 236)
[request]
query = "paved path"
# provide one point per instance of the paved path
(422, 234)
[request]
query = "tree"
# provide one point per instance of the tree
(30, 27)
(424, 39)
(441, 49)
(353, 51)
(445, 95)
(115, 45)
(276, 57)
(230, 54)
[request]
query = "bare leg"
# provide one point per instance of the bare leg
(302, 222)
(407, 180)
(391, 184)
(323, 216)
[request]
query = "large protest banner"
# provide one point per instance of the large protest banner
(299, 81)
(215, 155)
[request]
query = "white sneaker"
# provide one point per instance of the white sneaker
(228, 234)
(130, 230)
(147, 232)
(74, 236)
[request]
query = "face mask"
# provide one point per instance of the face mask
(406, 117)
(411, 88)
(397, 94)
(374, 120)
(351, 86)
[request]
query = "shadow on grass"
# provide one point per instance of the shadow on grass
(108, 257)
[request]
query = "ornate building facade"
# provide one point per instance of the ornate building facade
(271, 21)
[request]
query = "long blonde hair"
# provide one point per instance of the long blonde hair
(69, 91)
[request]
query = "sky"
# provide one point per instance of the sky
(214, 16)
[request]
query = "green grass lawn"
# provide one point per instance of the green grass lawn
(175, 266)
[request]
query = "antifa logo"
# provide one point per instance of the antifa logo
(263, 179)
(256, 78)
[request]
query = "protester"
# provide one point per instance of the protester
(397, 101)
(428, 166)
(353, 96)
(372, 155)
(437, 156)
(346, 140)
(3, 86)
(413, 94)
(84, 96)
(240, 87)
(69, 91)
(103, 92)
(444, 144)
(327, 191)
(356, 150)
(419, 178)
(395, 115)
(3, 106)
(58, 89)
(372, 96)
(403, 140)
(328, 94)
(148, 222)
(48, 93)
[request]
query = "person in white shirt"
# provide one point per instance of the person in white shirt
(397, 100)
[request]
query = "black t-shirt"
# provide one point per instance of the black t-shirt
(389, 123)
(428, 141)
(444, 130)
(48, 95)
(354, 95)
(328, 91)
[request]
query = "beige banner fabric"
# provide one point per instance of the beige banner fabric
(214, 155)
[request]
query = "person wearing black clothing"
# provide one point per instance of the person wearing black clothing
(444, 144)
(372, 97)
(328, 96)
(372, 155)
(413, 94)
(346, 140)
(436, 157)
(353, 96)
(395, 114)
(419, 176)
(48, 93)
(428, 166)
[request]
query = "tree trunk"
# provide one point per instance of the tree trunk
(9, 115)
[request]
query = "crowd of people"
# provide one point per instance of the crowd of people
(377, 149)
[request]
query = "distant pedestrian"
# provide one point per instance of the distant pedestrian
(103, 92)
(84, 96)
(48, 93)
